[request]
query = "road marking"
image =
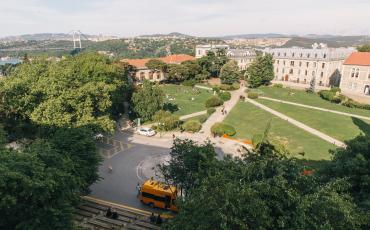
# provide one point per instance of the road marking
(139, 167)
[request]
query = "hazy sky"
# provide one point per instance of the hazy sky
(194, 17)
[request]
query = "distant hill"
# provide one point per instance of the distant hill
(253, 36)
(330, 40)
(173, 34)
(52, 36)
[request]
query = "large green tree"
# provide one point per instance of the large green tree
(85, 90)
(156, 64)
(213, 62)
(230, 73)
(261, 71)
(147, 100)
(264, 190)
(364, 48)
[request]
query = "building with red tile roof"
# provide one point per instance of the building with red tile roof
(356, 75)
(155, 75)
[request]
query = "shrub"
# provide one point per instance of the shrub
(213, 102)
(203, 118)
(327, 95)
(253, 95)
(352, 104)
(256, 139)
(211, 110)
(278, 85)
(235, 86)
(231, 87)
(219, 129)
(225, 96)
(168, 120)
(191, 83)
(192, 126)
(216, 88)
(335, 89)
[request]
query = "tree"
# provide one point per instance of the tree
(353, 163)
(177, 72)
(364, 48)
(264, 190)
(85, 90)
(166, 120)
(230, 73)
(156, 64)
(212, 63)
(147, 100)
(261, 71)
(189, 163)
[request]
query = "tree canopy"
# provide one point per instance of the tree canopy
(364, 48)
(212, 63)
(261, 71)
(230, 73)
(78, 91)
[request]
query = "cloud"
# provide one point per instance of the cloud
(196, 17)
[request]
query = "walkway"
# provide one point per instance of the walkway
(218, 116)
(193, 115)
(299, 124)
(317, 108)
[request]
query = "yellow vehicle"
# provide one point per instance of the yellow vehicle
(158, 194)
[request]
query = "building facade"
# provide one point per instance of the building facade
(243, 57)
(356, 75)
(300, 65)
(144, 73)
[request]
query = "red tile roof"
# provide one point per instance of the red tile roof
(358, 58)
(172, 59)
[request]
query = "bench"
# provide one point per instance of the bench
(110, 221)
(120, 211)
(84, 213)
(135, 227)
(89, 209)
(99, 224)
(147, 225)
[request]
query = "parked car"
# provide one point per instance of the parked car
(146, 132)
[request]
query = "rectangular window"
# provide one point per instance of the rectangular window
(292, 63)
(300, 64)
(323, 65)
(307, 64)
(154, 197)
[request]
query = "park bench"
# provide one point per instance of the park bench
(99, 224)
(89, 209)
(84, 213)
(147, 225)
(106, 220)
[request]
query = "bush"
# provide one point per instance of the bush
(235, 86)
(191, 83)
(216, 88)
(169, 121)
(277, 85)
(219, 129)
(327, 95)
(213, 102)
(335, 89)
(256, 139)
(253, 95)
(231, 87)
(203, 118)
(211, 110)
(352, 104)
(192, 126)
(225, 96)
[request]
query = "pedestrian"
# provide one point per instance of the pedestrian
(110, 168)
(173, 136)
(159, 220)
(225, 112)
(109, 212)
(114, 215)
(138, 189)
(152, 218)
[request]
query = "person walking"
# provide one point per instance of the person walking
(159, 220)
(110, 168)
(138, 189)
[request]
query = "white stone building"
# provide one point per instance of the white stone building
(356, 75)
(201, 50)
(299, 65)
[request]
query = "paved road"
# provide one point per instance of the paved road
(298, 124)
(317, 108)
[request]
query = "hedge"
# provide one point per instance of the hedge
(225, 96)
(214, 101)
(192, 126)
(253, 95)
(219, 129)
(211, 111)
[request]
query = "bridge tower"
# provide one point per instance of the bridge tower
(76, 37)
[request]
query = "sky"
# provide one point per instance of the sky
(194, 17)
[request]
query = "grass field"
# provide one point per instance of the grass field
(249, 120)
(182, 103)
(335, 125)
(300, 96)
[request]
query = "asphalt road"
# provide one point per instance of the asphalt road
(119, 185)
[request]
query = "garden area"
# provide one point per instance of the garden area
(183, 100)
(249, 120)
(300, 96)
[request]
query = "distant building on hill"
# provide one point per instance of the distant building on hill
(300, 65)
(244, 57)
(356, 75)
(144, 72)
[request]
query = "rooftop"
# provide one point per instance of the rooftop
(172, 59)
(358, 58)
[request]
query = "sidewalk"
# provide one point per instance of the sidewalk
(317, 108)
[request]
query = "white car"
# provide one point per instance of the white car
(146, 132)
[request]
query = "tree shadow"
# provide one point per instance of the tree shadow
(363, 126)
(170, 107)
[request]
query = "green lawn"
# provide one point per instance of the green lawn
(335, 125)
(300, 96)
(249, 120)
(182, 95)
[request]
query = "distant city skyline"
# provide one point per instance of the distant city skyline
(126, 18)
